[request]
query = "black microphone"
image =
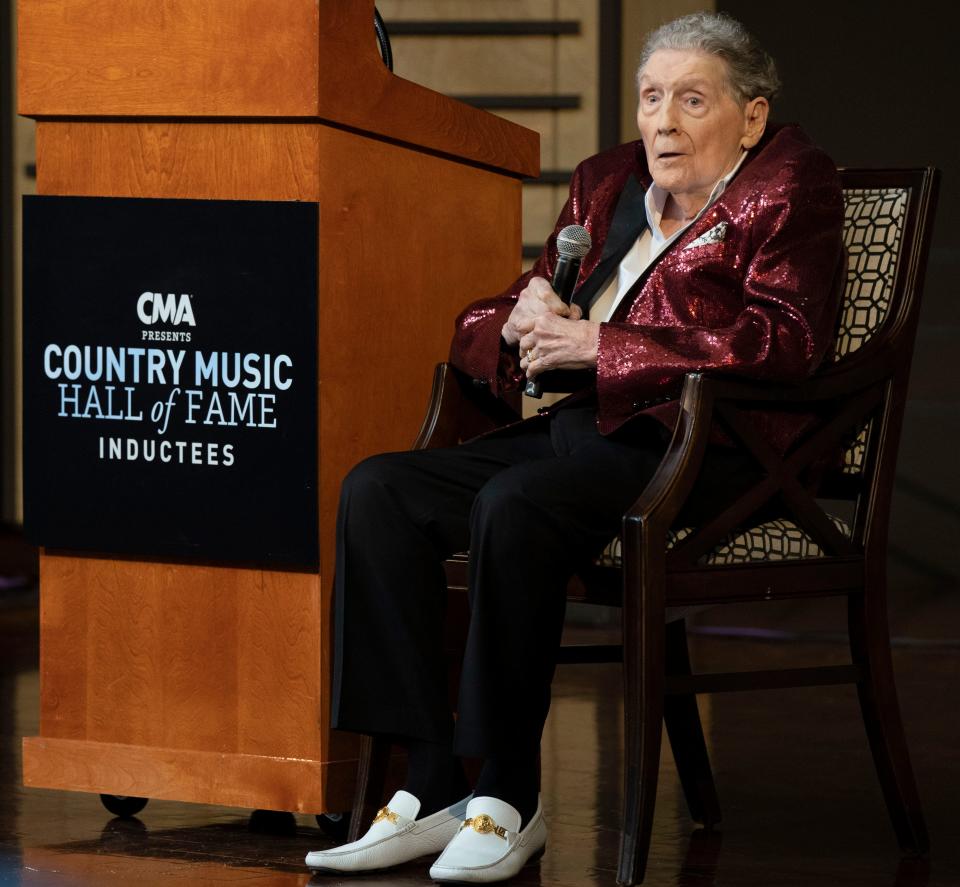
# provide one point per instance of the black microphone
(573, 243)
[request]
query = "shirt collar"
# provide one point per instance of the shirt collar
(656, 199)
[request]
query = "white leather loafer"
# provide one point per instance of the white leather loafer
(489, 846)
(395, 837)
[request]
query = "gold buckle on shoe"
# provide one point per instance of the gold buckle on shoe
(484, 825)
(385, 813)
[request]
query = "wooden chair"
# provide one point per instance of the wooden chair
(657, 570)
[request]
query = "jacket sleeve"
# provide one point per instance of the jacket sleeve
(478, 348)
(790, 289)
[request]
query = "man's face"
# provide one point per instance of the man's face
(692, 127)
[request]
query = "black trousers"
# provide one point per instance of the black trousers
(532, 504)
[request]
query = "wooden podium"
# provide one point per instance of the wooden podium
(210, 683)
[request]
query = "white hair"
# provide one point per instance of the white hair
(751, 71)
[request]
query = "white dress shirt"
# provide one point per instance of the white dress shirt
(649, 245)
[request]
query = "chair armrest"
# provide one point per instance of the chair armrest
(829, 383)
(703, 396)
(459, 409)
(670, 485)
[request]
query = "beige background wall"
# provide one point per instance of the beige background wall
(522, 65)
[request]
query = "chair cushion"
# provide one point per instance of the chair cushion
(773, 540)
(872, 237)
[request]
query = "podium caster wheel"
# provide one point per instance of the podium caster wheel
(123, 805)
(336, 825)
(273, 822)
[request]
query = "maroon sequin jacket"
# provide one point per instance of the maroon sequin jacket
(759, 303)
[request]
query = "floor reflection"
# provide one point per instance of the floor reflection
(800, 801)
(702, 866)
(703, 855)
(913, 873)
(204, 854)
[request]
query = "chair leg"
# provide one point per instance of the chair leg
(682, 717)
(870, 648)
(371, 778)
(643, 679)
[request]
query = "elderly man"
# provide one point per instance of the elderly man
(717, 247)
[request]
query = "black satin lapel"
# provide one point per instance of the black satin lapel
(629, 220)
(590, 288)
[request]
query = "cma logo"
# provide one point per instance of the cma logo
(170, 308)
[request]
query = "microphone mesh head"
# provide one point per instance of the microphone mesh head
(574, 242)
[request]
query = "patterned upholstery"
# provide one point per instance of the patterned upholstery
(872, 234)
(774, 540)
(856, 452)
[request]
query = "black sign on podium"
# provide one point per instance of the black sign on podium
(170, 378)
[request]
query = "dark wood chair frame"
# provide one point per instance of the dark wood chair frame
(867, 386)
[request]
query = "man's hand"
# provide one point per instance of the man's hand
(551, 342)
(536, 299)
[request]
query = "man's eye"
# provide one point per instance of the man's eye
(695, 101)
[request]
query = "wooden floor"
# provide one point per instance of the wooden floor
(800, 801)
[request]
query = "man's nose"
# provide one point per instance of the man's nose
(667, 119)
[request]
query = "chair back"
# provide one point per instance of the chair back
(854, 403)
(873, 227)
(887, 231)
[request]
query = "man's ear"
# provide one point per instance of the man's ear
(755, 121)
